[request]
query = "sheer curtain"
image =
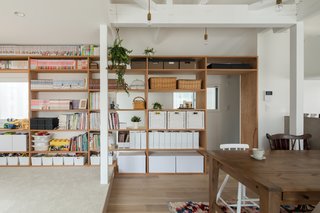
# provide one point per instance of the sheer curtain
(14, 99)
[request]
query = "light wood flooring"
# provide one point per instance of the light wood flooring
(153, 193)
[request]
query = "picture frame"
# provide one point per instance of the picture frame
(83, 104)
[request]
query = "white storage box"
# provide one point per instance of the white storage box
(19, 143)
(44, 138)
(3, 161)
(195, 120)
(173, 140)
(6, 143)
(167, 140)
(68, 161)
(132, 162)
(79, 161)
(157, 120)
(176, 120)
(47, 161)
(196, 139)
(12, 161)
(162, 162)
(189, 162)
(57, 161)
(123, 145)
(41, 147)
(23, 161)
(36, 161)
(95, 160)
(151, 141)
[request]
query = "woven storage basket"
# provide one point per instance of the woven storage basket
(139, 103)
(163, 83)
(189, 84)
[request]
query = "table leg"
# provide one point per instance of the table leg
(213, 183)
(269, 201)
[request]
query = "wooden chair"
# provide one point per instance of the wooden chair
(289, 142)
(242, 199)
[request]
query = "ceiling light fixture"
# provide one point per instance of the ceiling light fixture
(20, 14)
(205, 36)
(279, 5)
(149, 13)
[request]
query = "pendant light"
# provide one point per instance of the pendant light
(279, 5)
(149, 13)
(205, 36)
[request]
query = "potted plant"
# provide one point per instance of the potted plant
(135, 120)
(157, 105)
(149, 51)
(119, 57)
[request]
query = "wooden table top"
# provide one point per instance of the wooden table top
(285, 171)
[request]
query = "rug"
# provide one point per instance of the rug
(202, 207)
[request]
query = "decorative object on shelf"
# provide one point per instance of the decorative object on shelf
(149, 13)
(135, 120)
(139, 103)
(149, 51)
(186, 105)
(137, 84)
(189, 84)
(119, 57)
(83, 104)
(157, 105)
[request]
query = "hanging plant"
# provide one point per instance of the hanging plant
(119, 57)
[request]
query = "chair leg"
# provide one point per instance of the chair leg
(239, 199)
(222, 187)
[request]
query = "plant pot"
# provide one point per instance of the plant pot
(136, 125)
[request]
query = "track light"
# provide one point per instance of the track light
(279, 5)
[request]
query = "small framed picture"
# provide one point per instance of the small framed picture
(83, 104)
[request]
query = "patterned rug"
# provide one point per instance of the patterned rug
(202, 207)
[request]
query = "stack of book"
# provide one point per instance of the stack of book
(94, 141)
(94, 100)
(94, 84)
(56, 104)
(53, 64)
(82, 64)
(76, 121)
(113, 120)
(89, 50)
(58, 84)
(59, 104)
(39, 104)
(79, 143)
(95, 120)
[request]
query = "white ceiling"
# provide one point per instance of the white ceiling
(190, 1)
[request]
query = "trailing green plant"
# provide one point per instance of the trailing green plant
(119, 57)
(149, 51)
(135, 119)
(157, 105)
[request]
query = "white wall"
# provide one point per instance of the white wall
(177, 41)
(223, 125)
(274, 72)
(312, 63)
(311, 96)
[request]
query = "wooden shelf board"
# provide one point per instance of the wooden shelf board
(67, 71)
(58, 57)
(13, 152)
(14, 71)
(94, 90)
(129, 129)
(56, 130)
(94, 150)
(198, 130)
(59, 90)
(176, 90)
(175, 71)
(94, 70)
(131, 71)
(125, 110)
(59, 110)
(58, 152)
(174, 110)
(14, 130)
(94, 110)
(94, 130)
(125, 149)
(230, 71)
(129, 90)
(182, 149)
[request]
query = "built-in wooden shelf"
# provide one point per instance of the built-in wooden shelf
(175, 71)
(94, 70)
(13, 152)
(128, 129)
(59, 110)
(57, 130)
(124, 149)
(176, 90)
(230, 71)
(94, 110)
(58, 57)
(129, 90)
(131, 71)
(175, 110)
(14, 71)
(94, 130)
(182, 149)
(126, 110)
(14, 130)
(58, 152)
(67, 71)
(178, 130)
(59, 90)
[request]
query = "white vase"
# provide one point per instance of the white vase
(136, 125)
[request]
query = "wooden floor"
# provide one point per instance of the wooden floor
(153, 193)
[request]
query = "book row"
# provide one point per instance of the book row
(58, 84)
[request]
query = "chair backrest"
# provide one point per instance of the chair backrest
(289, 142)
(234, 146)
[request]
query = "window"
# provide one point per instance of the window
(14, 96)
(180, 97)
(212, 98)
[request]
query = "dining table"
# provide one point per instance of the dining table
(283, 177)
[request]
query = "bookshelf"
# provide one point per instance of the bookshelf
(248, 112)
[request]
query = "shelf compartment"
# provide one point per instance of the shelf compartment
(176, 90)
(94, 130)
(14, 71)
(59, 90)
(58, 152)
(14, 130)
(56, 130)
(130, 71)
(124, 149)
(129, 90)
(59, 71)
(175, 71)
(230, 71)
(178, 130)
(126, 110)
(129, 129)
(173, 110)
(59, 110)
(13, 152)
(155, 150)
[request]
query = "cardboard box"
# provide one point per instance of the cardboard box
(132, 162)
(189, 162)
(195, 120)
(176, 120)
(12, 161)
(162, 162)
